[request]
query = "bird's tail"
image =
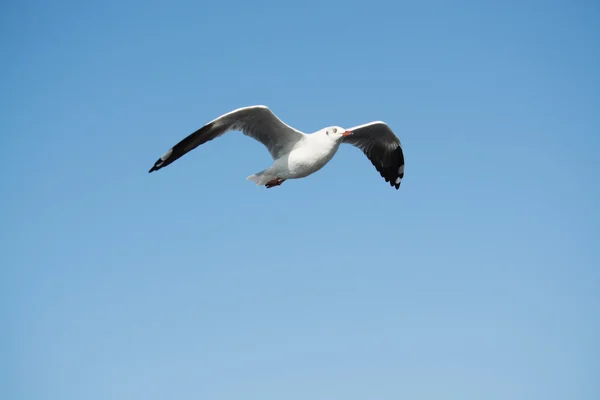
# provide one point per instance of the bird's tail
(261, 178)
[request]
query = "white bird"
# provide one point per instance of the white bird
(296, 154)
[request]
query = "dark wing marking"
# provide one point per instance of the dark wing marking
(257, 122)
(379, 143)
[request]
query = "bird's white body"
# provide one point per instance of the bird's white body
(308, 155)
(296, 154)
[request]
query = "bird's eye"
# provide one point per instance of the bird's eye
(334, 130)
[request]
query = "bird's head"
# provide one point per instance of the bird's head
(335, 133)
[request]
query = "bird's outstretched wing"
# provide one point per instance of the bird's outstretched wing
(379, 143)
(257, 122)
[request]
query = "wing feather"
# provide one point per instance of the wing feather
(257, 122)
(382, 147)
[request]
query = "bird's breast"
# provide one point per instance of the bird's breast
(305, 160)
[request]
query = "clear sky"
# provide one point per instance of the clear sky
(478, 279)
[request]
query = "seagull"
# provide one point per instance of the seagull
(296, 154)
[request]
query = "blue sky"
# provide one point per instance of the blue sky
(478, 279)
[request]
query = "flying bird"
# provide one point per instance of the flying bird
(296, 154)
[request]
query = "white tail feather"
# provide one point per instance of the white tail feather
(260, 178)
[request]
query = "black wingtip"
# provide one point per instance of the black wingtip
(163, 161)
(400, 176)
(157, 165)
(394, 172)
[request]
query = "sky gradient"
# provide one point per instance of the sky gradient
(478, 279)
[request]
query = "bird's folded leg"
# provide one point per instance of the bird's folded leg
(274, 182)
